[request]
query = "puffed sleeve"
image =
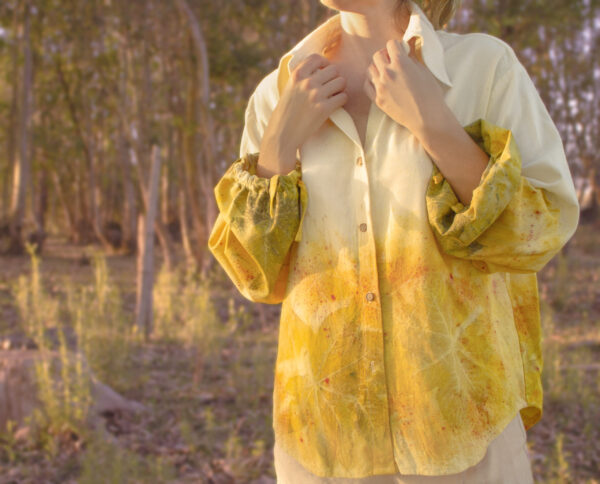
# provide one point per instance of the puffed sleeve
(259, 218)
(525, 207)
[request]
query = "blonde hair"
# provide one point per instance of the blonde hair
(439, 12)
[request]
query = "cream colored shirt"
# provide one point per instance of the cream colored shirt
(410, 328)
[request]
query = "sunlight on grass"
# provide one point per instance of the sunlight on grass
(37, 309)
(561, 466)
(85, 330)
(63, 388)
(105, 463)
(185, 314)
(551, 376)
(561, 282)
(105, 333)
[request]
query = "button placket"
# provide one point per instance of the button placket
(367, 245)
(371, 318)
(366, 254)
(371, 321)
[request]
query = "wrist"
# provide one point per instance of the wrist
(281, 144)
(429, 129)
(269, 165)
(277, 154)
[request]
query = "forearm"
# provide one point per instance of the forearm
(276, 156)
(455, 153)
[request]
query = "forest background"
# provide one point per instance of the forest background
(119, 115)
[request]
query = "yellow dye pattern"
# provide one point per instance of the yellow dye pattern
(456, 362)
(410, 329)
(258, 220)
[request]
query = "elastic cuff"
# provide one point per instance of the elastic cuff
(244, 172)
(498, 184)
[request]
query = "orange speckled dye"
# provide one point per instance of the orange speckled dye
(407, 346)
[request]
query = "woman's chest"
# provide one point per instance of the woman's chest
(351, 185)
(358, 104)
(360, 160)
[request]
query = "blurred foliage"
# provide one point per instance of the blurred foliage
(105, 70)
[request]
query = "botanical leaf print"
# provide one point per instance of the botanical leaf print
(410, 332)
(393, 346)
(320, 292)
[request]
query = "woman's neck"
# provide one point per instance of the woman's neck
(363, 34)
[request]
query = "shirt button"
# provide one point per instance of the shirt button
(359, 160)
(370, 296)
(363, 227)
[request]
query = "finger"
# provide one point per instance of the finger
(372, 72)
(334, 86)
(310, 64)
(398, 48)
(393, 47)
(369, 89)
(380, 59)
(325, 74)
(335, 101)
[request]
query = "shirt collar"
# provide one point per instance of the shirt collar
(428, 45)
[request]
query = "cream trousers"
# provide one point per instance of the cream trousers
(505, 462)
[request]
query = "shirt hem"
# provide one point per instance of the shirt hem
(464, 463)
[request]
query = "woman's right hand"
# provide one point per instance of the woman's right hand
(314, 90)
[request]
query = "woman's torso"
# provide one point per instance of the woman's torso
(373, 303)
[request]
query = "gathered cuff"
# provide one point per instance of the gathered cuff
(459, 225)
(244, 169)
(288, 186)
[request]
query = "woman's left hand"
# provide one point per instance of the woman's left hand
(403, 87)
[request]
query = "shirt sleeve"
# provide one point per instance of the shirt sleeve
(259, 219)
(525, 207)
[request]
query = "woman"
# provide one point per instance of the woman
(398, 187)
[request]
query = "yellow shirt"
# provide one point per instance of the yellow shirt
(410, 328)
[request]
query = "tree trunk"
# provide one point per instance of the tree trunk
(129, 206)
(41, 203)
(142, 152)
(67, 207)
(206, 164)
(185, 229)
(12, 122)
(22, 173)
(161, 231)
(165, 212)
(189, 151)
(145, 273)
